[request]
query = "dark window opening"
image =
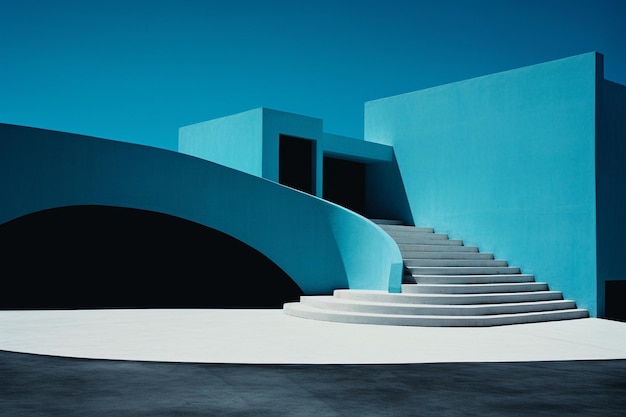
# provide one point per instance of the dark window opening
(615, 300)
(344, 183)
(296, 163)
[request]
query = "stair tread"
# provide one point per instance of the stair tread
(421, 247)
(463, 270)
(463, 267)
(474, 288)
(469, 279)
(473, 275)
(462, 263)
(437, 255)
(438, 241)
(450, 299)
(409, 238)
(402, 294)
(330, 298)
(440, 317)
(494, 284)
(403, 227)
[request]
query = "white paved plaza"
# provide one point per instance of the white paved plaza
(270, 336)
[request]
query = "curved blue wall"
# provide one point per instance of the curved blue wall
(321, 246)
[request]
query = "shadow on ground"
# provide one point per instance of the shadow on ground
(51, 386)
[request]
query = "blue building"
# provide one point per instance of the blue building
(524, 164)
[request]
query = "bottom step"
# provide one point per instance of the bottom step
(309, 312)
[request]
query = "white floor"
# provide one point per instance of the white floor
(270, 336)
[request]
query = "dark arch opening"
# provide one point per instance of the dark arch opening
(112, 257)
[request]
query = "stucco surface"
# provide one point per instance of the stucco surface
(506, 162)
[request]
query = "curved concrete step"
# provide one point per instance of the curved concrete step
(423, 239)
(452, 299)
(406, 234)
(472, 279)
(392, 228)
(304, 311)
(414, 231)
(473, 288)
(426, 238)
(448, 255)
(454, 262)
(462, 270)
(328, 302)
(408, 249)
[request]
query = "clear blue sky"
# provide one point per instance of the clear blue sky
(138, 70)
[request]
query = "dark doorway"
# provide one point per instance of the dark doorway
(344, 183)
(296, 163)
(615, 300)
(112, 257)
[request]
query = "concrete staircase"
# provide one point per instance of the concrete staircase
(445, 284)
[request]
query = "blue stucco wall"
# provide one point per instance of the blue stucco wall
(249, 141)
(321, 246)
(611, 177)
(506, 162)
(352, 149)
(233, 141)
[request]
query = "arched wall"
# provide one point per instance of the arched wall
(321, 246)
(118, 257)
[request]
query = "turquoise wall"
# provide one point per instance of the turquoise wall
(358, 150)
(249, 141)
(611, 177)
(233, 141)
(506, 162)
(321, 246)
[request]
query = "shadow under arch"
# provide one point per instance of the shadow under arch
(320, 245)
(95, 256)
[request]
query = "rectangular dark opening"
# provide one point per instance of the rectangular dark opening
(615, 300)
(344, 183)
(296, 158)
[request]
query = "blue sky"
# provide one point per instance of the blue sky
(138, 70)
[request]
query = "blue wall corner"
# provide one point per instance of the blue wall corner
(234, 141)
(386, 194)
(249, 141)
(611, 176)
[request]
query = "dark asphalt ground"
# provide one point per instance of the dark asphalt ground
(33, 385)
